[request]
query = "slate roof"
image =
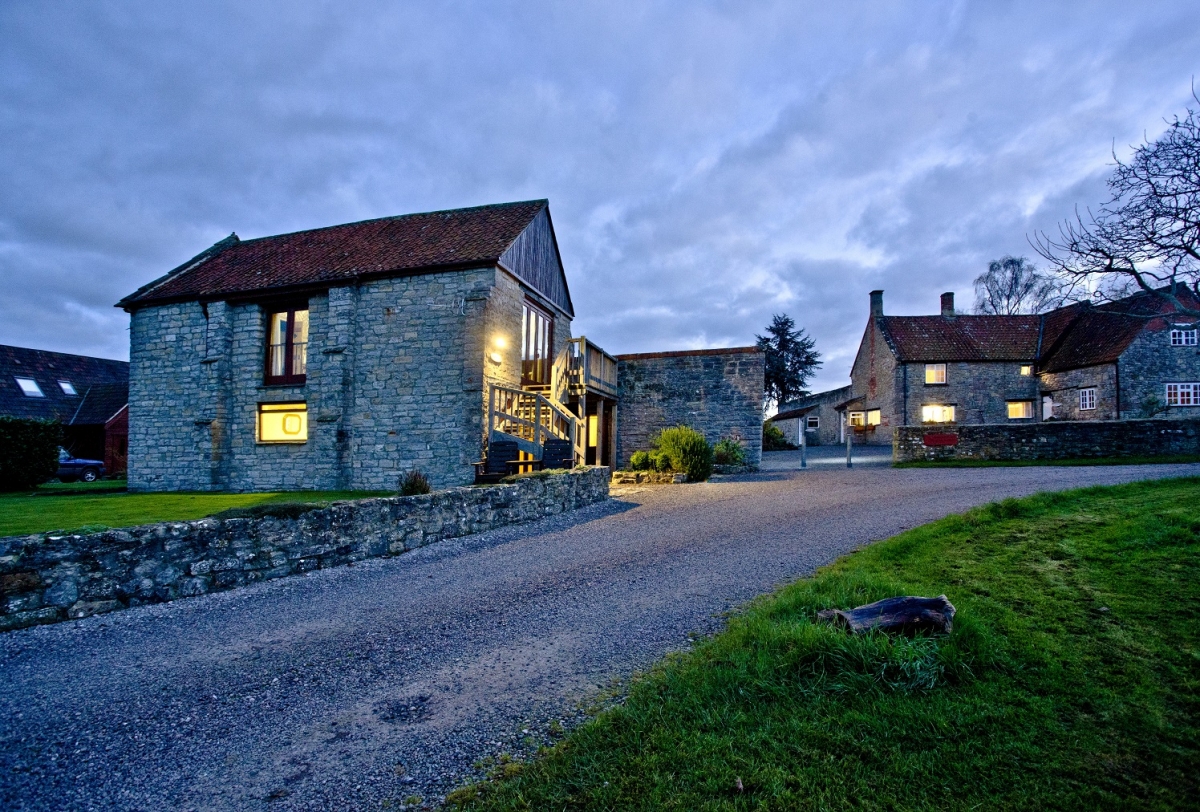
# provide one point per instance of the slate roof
(962, 338)
(107, 380)
(410, 243)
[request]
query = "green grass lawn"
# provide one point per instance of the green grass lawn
(1167, 460)
(1071, 680)
(88, 506)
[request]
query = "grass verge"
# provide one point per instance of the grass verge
(1171, 460)
(1071, 680)
(24, 513)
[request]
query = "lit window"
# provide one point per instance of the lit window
(30, 387)
(935, 373)
(1183, 338)
(1026, 369)
(873, 417)
(937, 413)
(1087, 399)
(282, 422)
(858, 418)
(814, 422)
(67, 388)
(1020, 409)
(537, 338)
(1183, 394)
(287, 348)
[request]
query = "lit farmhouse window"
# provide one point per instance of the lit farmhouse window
(1087, 399)
(1026, 370)
(873, 417)
(1020, 409)
(30, 387)
(1183, 338)
(1183, 394)
(937, 413)
(814, 422)
(537, 340)
(935, 373)
(283, 422)
(287, 347)
(857, 418)
(67, 388)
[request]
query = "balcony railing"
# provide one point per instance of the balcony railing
(583, 367)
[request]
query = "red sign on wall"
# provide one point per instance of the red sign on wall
(941, 439)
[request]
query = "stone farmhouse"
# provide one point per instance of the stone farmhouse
(86, 395)
(816, 415)
(1128, 359)
(342, 357)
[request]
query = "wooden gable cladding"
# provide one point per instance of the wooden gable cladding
(533, 257)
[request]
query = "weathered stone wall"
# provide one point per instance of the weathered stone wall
(1063, 388)
(46, 578)
(1148, 364)
(829, 421)
(717, 392)
(979, 391)
(874, 379)
(1053, 440)
(396, 380)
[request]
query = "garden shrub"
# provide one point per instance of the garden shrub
(414, 483)
(28, 452)
(729, 451)
(660, 461)
(639, 461)
(773, 439)
(687, 451)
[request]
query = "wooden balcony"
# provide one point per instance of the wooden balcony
(581, 369)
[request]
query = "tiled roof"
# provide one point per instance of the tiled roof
(337, 254)
(962, 338)
(47, 369)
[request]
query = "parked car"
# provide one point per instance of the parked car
(72, 468)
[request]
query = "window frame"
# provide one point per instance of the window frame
(935, 368)
(536, 369)
(37, 389)
(68, 388)
(951, 408)
(280, 406)
(1186, 337)
(856, 419)
(1087, 395)
(289, 376)
(1028, 404)
(812, 421)
(1193, 390)
(1026, 370)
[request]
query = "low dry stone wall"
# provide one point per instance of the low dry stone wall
(648, 478)
(46, 578)
(1052, 440)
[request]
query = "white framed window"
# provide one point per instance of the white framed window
(283, 422)
(1019, 409)
(1087, 399)
(937, 413)
(857, 418)
(67, 388)
(1183, 338)
(1026, 369)
(814, 422)
(935, 373)
(873, 417)
(1183, 394)
(30, 387)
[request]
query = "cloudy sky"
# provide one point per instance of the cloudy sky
(708, 164)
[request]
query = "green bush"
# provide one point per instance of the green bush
(414, 483)
(639, 461)
(773, 439)
(687, 451)
(729, 451)
(28, 452)
(660, 461)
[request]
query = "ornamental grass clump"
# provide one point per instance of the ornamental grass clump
(414, 483)
(687, 451)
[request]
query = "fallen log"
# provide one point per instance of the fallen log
(901, 615)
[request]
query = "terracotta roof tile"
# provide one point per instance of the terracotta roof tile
(962, 338)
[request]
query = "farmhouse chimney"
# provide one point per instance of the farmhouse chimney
(948, 305)
(876, 303)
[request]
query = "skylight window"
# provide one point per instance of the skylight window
(30, 387)
(67, 387)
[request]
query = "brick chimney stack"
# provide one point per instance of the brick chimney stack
(876, 303)
(948, 305)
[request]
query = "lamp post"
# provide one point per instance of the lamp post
(849, 442)
(803, 441)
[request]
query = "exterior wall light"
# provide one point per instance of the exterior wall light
(500, 342)
(495, 357)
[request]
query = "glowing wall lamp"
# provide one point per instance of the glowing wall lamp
(498, 343)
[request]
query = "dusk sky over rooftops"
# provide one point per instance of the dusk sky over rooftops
(707, 164)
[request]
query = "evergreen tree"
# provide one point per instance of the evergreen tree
(791, 360)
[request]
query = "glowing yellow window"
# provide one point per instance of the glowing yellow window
(873, 417)
(935, 373)
(1020, 409)
(858, 418)
(283, 422)
(1026, 370)
(937, 413)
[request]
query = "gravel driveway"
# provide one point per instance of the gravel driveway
(358, 687)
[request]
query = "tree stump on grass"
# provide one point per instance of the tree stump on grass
(902, 615)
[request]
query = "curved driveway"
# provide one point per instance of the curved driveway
(352, 687)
